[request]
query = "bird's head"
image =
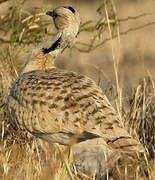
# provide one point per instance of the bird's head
(65, 17)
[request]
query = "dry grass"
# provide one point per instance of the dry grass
(25, 157)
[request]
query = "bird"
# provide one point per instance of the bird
(61, 106)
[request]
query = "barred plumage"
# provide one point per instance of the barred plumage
(61, 106)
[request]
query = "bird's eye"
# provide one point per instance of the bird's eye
(70, 8)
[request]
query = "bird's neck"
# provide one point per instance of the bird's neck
(44, 55)
(39, 62)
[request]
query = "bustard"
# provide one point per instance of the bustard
(61, 106)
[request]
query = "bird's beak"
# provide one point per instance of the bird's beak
(50, 13)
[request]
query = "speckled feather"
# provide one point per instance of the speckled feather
(54, 101)
(61, 106)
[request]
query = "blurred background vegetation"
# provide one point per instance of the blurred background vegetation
(115, 47)
(131, 24)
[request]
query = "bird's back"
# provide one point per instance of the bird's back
(57, 105)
